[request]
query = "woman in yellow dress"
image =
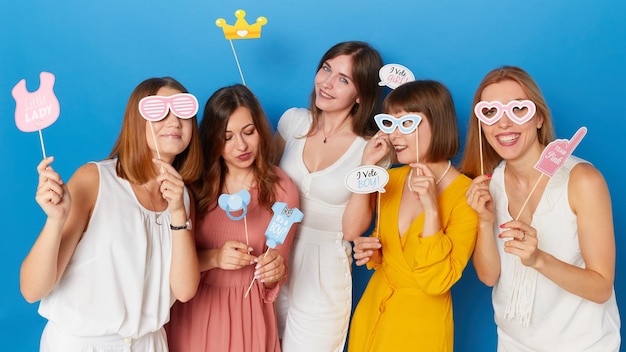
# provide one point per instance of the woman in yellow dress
(425, 233)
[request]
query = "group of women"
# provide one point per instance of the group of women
(140, 252)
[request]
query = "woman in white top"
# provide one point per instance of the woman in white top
(319, 147)
(545, 244)
(117, 250)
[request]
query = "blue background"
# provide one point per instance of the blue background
(100, 50)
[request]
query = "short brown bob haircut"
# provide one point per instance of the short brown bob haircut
(434, 101)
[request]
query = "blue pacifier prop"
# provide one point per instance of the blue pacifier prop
(406, 124)
(235, 202)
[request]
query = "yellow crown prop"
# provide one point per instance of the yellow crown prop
(241, 29)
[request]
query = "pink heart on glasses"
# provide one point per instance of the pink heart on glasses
(520, 105)
(489, 112)
(489, 119)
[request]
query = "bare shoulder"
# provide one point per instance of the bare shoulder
(587, 188)
(586, 177)
(86, 173)
(84, 184)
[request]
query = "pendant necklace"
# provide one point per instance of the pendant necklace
(157, 214)
(344, 124)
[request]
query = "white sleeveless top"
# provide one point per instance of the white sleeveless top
(323, 194)
(556, 319)
(117, 282)
(319, 263)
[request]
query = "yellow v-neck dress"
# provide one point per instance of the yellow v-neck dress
(407, 304)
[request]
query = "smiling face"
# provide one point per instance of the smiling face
(510, 140)
(405, 145)
(241, 140)
(172, 134)
(335, 90)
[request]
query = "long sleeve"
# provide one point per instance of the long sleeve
(438, 261)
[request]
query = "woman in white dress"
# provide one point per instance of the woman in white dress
(319, 147)
(545, 244)
(117, 249)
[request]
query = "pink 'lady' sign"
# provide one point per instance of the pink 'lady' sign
(36, 110)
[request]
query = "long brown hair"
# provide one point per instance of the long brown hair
(366, 62)
(218, 109)
(434, 100)
(471, 156)
(134, 159)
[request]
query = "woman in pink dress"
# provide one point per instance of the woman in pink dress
(232, 248)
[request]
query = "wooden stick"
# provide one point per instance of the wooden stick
(480, 143)
(245, 225)
(378, 215)
(252, 282)
(417, 148)
(156, 145)
(528, 198)
(237, 61)
(43, 148)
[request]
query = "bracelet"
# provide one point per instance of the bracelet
(187, 226)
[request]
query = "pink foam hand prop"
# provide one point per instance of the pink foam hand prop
(555, 154)
(37, 110)
(518, 111)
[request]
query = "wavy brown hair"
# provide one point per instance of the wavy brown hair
(471, 157)
(218, 109)
(134, 158)
(366, 62)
